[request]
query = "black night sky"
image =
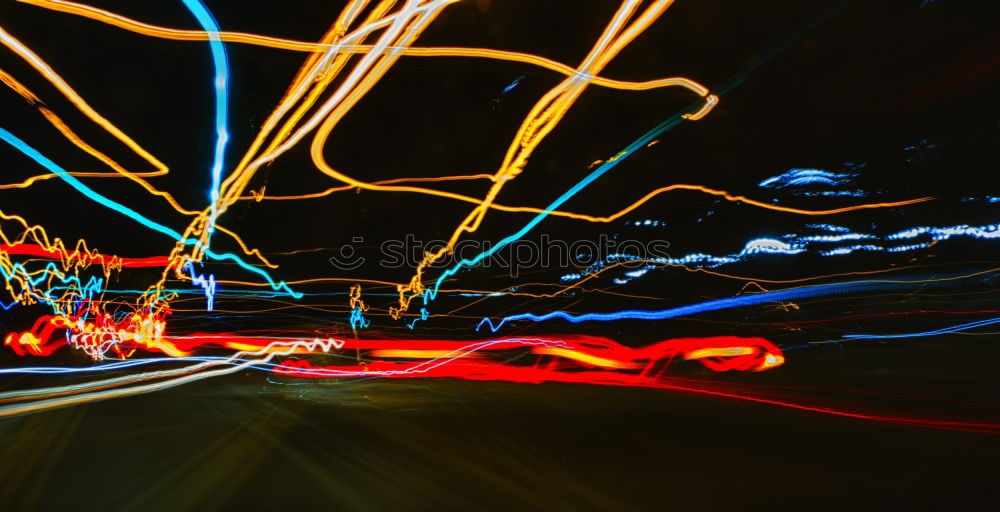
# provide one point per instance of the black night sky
(901, 95)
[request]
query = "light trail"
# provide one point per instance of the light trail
(130, 213)
(287, 44)
(95, 314)
(754, 299)
(65, 255)
(617, 215)
(542, 119)
(936, 332)
(221, 62)
(431, 293)
(53, 78)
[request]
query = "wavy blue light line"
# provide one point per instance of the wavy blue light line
(221, 63)
(945, 330)
(718, 304)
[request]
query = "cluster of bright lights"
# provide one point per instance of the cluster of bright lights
(794, 244)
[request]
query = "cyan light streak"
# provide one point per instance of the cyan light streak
(729, 302)
(207, 22)
(937, 332)
(358, 319)
(512, 85)
(423, 316)
(597, 173)
(829, 227)
(943, 233)
(836, 238)
(986, 199)
(23, 147)
(87, 291)
(31, 152)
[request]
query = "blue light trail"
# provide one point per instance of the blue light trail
(31, 152)
(221, 62)
(804, 292)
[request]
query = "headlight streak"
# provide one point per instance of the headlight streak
(454, 363)
(269, 352)
(759, 355)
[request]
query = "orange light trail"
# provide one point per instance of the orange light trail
(360, 47)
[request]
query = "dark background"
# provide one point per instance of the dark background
(802, 84)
